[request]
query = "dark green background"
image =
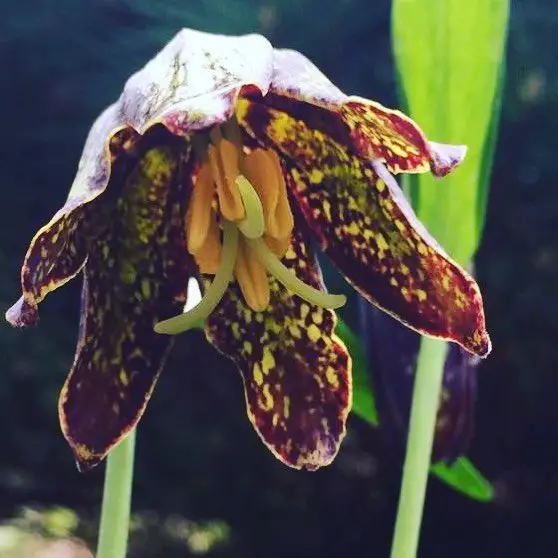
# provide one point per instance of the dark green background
(62, 61)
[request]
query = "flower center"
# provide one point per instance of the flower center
(239, 224)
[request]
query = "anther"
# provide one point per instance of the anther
(289, 280)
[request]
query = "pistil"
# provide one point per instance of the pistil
(214, 292)
(254, 202)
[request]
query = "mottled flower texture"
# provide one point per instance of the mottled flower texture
(227, 160)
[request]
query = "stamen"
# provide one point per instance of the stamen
(208, 256)
(214, 292)
(263, 170)
(252, 278)
(223, 159)
(252, 226)
(198, 216)
(232, 132)
(285, 276)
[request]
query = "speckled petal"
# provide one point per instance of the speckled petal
(366, 127)
(392, 137)
(190, 85)
(136, 275)
(59, 249)
(392, 355)
(195, 80)
(296, 372)
(366, 226)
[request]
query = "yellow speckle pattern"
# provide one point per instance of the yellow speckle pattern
(368, 129)
(58, 250)
(370, 231)
(297, 376)
(389, 135)
(136, 274)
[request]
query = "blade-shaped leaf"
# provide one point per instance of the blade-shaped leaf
(466, 478)
(452, 93)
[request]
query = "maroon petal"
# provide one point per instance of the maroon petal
(59, 249)
(366, 127)
(136, 275)
(296, 372)
(364, 223)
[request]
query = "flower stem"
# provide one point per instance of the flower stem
(424, 409)
(117, 496)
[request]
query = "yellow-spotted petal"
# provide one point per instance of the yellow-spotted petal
(136, 274)
(296, 372)
(59, 249)
(366, 226)
(366, 127)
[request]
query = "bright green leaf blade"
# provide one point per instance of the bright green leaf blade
(364, 404)
(488, 152)
(449, 54)
(464, 477)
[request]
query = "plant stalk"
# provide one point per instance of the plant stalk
(117, 497)
(422, 425)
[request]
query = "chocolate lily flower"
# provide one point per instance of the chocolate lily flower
(224, 159)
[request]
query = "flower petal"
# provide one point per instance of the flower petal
(59, 249)
(296, 77)
(366, 226)
(296, 372)
(195, 80)
(392, 355)
(368, 128)
(191, 84)
(392, 137)
(136, 275)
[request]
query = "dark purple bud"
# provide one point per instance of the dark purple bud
(392, 351)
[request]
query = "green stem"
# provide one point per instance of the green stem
(117, 496)
(424, 409)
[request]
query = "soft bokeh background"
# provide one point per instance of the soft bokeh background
(205, 485)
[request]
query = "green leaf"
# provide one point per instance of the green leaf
(462, 476)
(453, 93)
(488, 151)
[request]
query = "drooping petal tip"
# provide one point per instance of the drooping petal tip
(479, 343)
(84, 457)
(22, 314)
(445, 158)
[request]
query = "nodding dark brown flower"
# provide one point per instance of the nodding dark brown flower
(223, 160)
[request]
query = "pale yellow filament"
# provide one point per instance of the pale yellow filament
(252, 274)
(254, 202)
(214, 292)
(253, 225)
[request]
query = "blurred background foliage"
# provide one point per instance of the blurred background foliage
(205, 485)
